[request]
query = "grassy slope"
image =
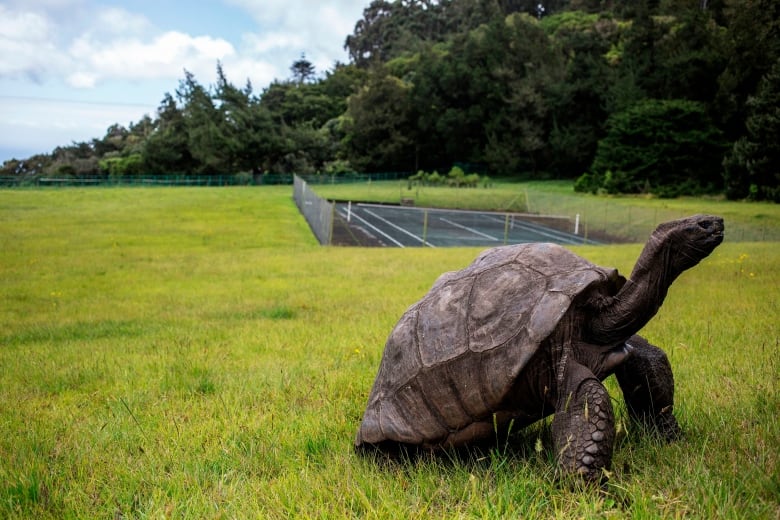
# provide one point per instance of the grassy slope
(194, 353)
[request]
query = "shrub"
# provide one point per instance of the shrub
(456, 177)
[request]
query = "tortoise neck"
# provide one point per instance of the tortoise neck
(641, 296)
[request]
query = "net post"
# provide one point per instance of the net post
(506, 229)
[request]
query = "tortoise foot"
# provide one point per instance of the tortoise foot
(584, 432)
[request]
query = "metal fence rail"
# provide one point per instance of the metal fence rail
(318, 212)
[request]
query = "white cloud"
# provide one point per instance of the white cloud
(320, 33)
(114, 20)
(86, 45)
(23, 26)
(25, 44)
(116, 45)
(81, 80)
(163, 57)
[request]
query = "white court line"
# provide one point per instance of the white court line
(472, 230)
(364, 221)
(545, 232)
(399, 228)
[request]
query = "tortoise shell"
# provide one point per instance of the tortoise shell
(455, 354)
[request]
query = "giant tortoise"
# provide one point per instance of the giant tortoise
(528, 330)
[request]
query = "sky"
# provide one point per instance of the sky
(71, 68)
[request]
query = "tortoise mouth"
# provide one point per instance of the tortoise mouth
(711, 229)
(716, 237)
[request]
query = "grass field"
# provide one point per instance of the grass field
(192, 353)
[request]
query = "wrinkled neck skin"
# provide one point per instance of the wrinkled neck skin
(616, 319)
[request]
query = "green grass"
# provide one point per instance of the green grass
(628, 218)
(192, 353)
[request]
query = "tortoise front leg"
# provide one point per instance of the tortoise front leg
(648, 388)
(584, 425)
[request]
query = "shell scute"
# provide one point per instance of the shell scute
(501, 302)
(499, 368)
(441, 324)
(411, 399)
(400, 361)
(441, 394)
(394, 424)
(468, 384)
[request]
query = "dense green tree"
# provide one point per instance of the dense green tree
(341, 82)
(303, 150)
(463, 16)
(516, 136)
(578, 99)
(291, 104)
(375, 35)
(166, 149)
(249, 136)
(390, 29)
(206, 140)
(378, 125)
(752, 167)
(691, 56)
(753, 39)
(115, 140)
(452, 96)
(665, 147)
(480, 98)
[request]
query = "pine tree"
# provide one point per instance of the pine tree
(303, 70)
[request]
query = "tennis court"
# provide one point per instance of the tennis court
(398, 226)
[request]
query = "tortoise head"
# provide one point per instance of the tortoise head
(690, 239)
(673, 247)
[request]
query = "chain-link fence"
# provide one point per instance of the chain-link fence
(318, 212)
(616, 220)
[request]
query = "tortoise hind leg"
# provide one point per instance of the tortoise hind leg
(648, 388)
(584, 425)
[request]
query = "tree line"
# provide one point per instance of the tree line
(667, 97)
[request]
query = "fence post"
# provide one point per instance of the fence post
(425, 226)
(332, 220)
